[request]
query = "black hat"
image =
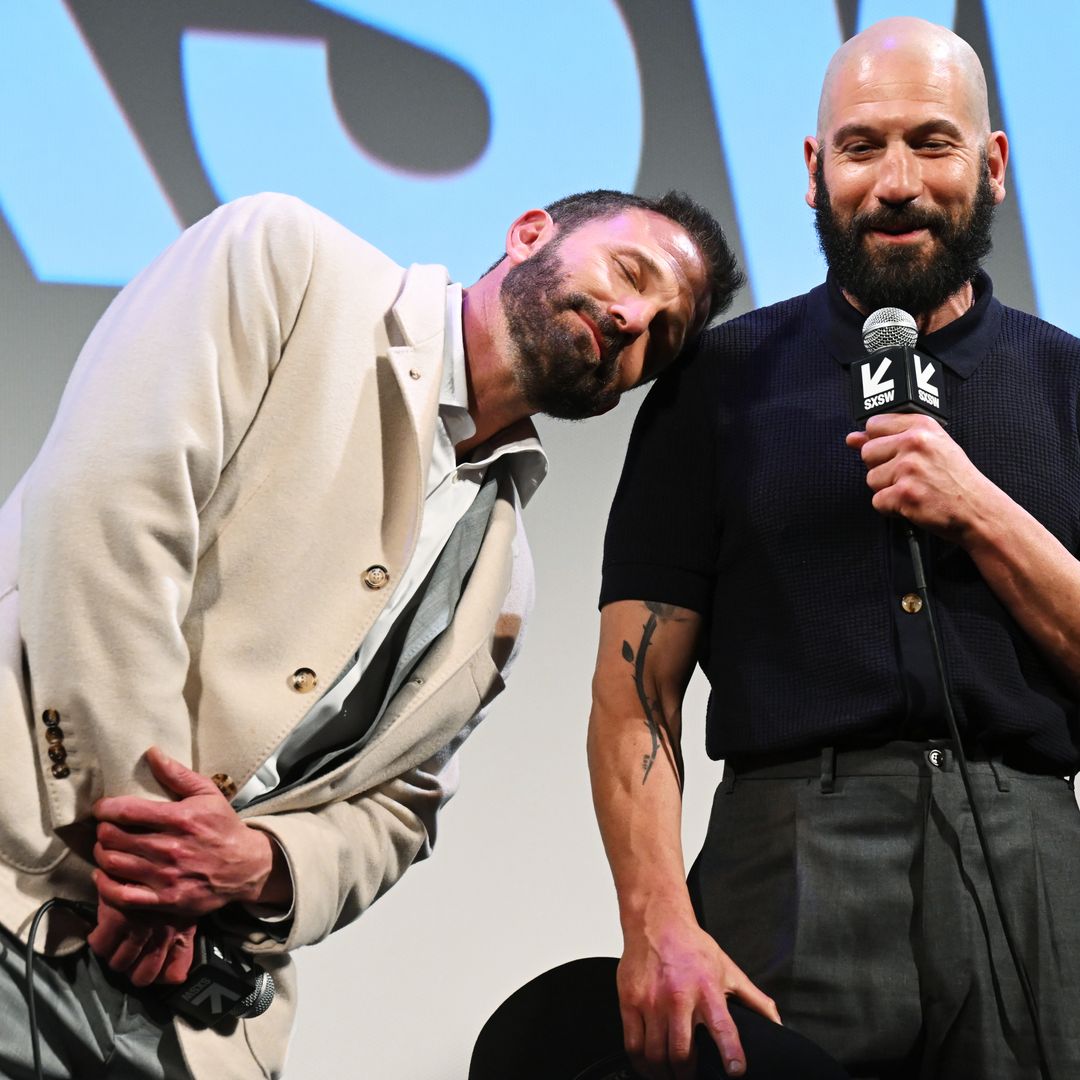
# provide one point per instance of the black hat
(565, 1025)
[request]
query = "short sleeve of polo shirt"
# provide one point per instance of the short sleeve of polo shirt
(663, 530)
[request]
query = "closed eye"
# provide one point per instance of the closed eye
(627, 273)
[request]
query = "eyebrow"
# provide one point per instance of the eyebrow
(643, 257)
(938, 124)
(658, 271)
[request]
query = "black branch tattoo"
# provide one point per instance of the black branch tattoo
(655, 721)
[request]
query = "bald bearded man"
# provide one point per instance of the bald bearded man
(841, 884)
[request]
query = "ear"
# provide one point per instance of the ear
(530, 232)
(997, 157)
(811, 149)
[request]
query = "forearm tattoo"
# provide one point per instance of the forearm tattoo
(655, 721)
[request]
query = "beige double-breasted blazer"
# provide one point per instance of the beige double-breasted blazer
(189, 560)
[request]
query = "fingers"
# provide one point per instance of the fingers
(110, 932)
(129, 810)
(722, 1027)
(123, 895)
(152, 849)
(130, 868)
(759, 1001)
(178, 964)
(726, 1036)
(132, 812)
(177, 777)
(147, 948)
(680, 1045)
(895, 423)
(148, 965)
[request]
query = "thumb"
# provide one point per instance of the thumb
(177, 777)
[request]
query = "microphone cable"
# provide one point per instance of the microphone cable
(222, 983)
(84, 910)
(961, 760)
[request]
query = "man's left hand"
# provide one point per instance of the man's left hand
(189, 857)
(916, 470)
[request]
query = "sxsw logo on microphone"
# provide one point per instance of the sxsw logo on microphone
(877, 389)
(897, 379)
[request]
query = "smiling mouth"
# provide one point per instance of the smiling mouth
(900, 236)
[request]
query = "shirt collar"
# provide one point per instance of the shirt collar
(960, 345)
(519, 442)
(454, 390)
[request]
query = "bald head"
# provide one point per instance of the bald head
(904, 171)
(905, 59)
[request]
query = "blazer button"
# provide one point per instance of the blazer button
(60, 771)
(376, 577)
(57, 753)
(50, 718)
(54, 735)
(225, 784)
(303, 680)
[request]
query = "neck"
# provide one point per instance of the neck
(956, 305)
(495, 402)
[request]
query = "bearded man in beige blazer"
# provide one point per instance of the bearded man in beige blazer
(264, 453)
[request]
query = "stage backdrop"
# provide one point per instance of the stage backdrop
(427, 127)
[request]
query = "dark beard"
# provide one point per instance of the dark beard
(902, 277)
(555, 367)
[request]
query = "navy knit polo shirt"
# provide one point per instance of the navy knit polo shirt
(740, 500)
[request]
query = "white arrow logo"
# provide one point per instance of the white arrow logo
(218, 996)
(876, 384)
(924, 375)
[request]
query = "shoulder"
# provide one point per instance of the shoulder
(1022, 329)
(750, 331)
(726, 345)
(268, 211)
(284, 226)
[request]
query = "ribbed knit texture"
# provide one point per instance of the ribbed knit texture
(740, 500)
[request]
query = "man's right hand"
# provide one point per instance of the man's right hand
(672, 978)
(149, 948)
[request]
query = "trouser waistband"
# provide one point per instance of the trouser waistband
(900, 757)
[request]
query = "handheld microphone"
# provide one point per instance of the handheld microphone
(894, 377)
(223, 983)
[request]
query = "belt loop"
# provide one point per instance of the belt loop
(727, 781)
(828, 770)
(998, 769)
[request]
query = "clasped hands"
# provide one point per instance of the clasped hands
(163, 865)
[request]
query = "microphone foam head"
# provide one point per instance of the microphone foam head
(887, 328)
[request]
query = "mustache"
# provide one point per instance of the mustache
(900, 219)
(612, 339)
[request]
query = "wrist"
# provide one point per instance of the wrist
(644, 908)
(271, 886)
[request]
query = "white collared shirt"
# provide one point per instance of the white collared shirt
(450, 490)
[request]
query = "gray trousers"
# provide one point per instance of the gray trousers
(90, 1026)
(851, 888)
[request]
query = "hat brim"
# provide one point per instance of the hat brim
(565, 1025)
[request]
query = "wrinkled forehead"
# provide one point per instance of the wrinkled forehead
(910, 74)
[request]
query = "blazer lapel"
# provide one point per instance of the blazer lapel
(419, 317)
(422, 717)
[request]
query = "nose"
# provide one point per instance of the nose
(633, 313)
(899, 178)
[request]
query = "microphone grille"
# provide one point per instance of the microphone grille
(260, 998)
(888, 327)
